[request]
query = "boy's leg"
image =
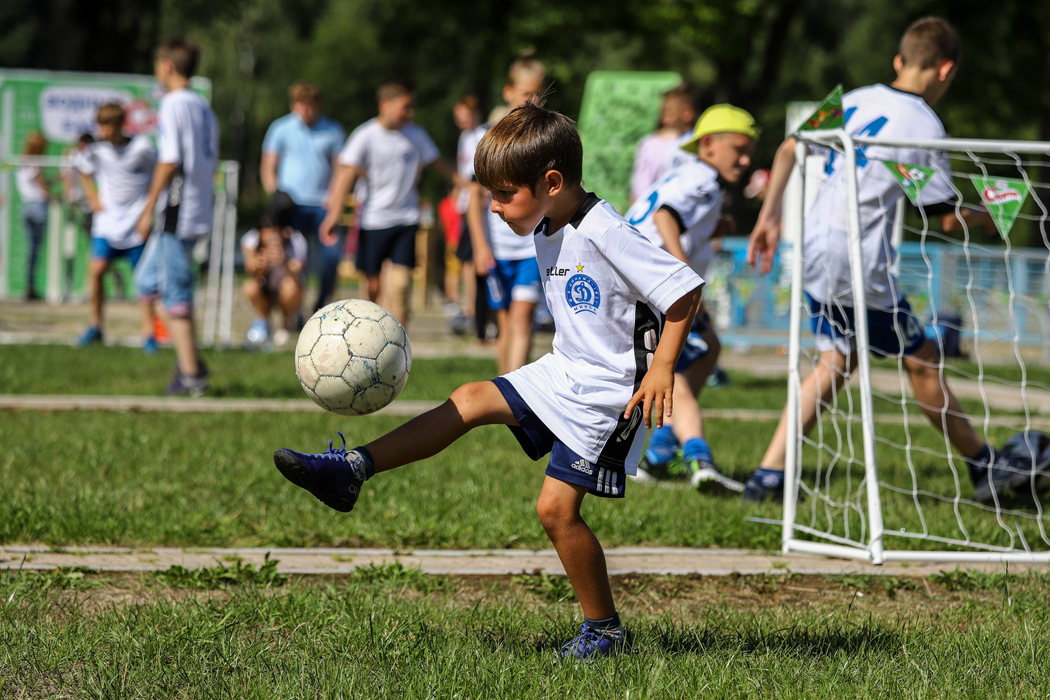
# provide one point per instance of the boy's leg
(471, 405)
(335, 477)
(96, 269)
(816, 389)
(519, 322)
(578, 549)
(257, 296)
(503, 339)
(937, 401)
(290, 297)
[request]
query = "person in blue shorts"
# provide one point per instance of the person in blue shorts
(115, 175)
(584, 404)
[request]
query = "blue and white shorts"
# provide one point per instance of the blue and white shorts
(894, 333)
(565, 465)
(514, 280)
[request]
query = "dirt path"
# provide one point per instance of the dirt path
(622, 560)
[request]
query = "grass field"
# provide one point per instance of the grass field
(208, 479)
(388, 632)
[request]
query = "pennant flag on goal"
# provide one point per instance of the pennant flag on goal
(1003, 196)
(912, 178)
(828, 114)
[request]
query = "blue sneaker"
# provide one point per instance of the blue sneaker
(91, 336)
(149, 346)
(590, 643)
(326, 475)
(765, 484)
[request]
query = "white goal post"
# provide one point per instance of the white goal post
(836, 501)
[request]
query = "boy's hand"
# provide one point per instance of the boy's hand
(763, 243)
(145, 224)
(484, 260)
(325, 231)
(654, 394)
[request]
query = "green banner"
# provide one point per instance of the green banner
(828, 114)
(912, 178)
(1003, 196)
(619, 108)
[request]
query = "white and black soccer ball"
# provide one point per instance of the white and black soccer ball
(353, 357)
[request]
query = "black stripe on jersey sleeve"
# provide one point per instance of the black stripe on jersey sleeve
(677, 218)
(614, 454)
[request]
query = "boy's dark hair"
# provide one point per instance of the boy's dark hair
(470, 102)
(182, 53)
(527, 143)
(111, 114)
(930, 41)
(393, 89)
(280, 210)
(268, 220)
(85, 139)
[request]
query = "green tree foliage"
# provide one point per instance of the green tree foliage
(757, 53)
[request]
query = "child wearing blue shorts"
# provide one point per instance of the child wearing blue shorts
(585, 404)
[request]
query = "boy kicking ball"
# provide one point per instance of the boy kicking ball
(585, 403)
(681, 213)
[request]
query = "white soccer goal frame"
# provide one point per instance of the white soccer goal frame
(217, 328)
(834, 546)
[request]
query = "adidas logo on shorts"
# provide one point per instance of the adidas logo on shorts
(582, 465)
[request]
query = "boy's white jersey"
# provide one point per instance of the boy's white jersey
(885, 112)
(606, 286)
(693, 195)
(468, 146)
(676, 157)
(506, 245)
(123, 175)
(188, 135)
(391, 160)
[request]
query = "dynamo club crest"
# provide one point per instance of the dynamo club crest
(582, 293)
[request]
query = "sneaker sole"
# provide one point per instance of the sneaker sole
(293, 470)
(715, 482)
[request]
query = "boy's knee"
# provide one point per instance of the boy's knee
(289, 288)
(555, 513)
(250, 288)
(471, 399)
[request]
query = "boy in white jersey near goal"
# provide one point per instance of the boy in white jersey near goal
(610, 372)
(183, 193)
(682, 212)
(929, 55)
(115, 173)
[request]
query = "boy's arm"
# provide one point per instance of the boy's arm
(268, 171)
(90, 192)
(161, 177)
(671, 233)
(445, 169)
(342, 184)
(654, 393)
(484, 260)
(972, 216)
(251, 260)
(766, 235)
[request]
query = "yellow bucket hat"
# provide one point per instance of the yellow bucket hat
(719, 119)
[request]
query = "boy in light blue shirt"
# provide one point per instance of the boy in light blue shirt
(298, 156)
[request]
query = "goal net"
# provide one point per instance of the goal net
(878, 477)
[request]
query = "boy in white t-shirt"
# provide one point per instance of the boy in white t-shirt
(585, 403)
(179, 209)
(388, 152)
(122, 168)
(682, 213)
(926, 64)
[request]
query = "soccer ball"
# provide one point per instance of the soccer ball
(353, 357)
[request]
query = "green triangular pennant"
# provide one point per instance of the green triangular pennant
(1003, 196)
(828, 114)
(912, 178)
